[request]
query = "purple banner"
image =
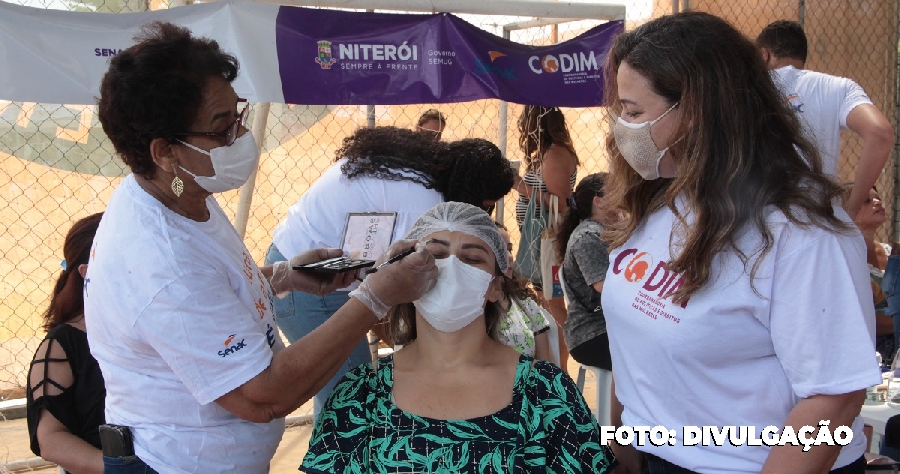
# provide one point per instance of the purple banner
(346, 58)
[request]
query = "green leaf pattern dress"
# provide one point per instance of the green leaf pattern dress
(546, 428)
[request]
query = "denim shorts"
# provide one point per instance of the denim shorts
(890, 284)
(126, 465)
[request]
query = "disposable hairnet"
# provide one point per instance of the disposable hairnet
(465, 218)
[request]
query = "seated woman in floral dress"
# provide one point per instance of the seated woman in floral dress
(454, 399)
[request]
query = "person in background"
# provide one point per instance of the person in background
(585, 258)
(64, 398)
(455, 399)
(179, 316)
(525, 324)
(737, 293)
(869, 219)
(550, 169)
(826, 105)
(380, 169)
(431, 124)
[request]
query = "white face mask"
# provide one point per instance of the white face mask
(232, 165)
(637, 147)
(457, 297)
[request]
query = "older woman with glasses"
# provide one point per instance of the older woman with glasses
(180, 317)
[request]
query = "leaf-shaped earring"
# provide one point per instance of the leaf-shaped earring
(177, 184)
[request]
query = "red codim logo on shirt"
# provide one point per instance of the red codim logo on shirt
(636, 266)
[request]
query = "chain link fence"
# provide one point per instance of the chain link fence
(56, 165)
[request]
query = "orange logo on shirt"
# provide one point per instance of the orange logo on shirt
(261, 308)
(637, 267)
(248, 266)
(230, 338)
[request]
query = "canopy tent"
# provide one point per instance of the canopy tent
(297, 55)
(308, 56)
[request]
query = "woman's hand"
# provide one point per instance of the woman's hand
(285, 278)
(400, 282)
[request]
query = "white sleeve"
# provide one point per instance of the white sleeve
(853, 96)
(206, 335)
(822, 319)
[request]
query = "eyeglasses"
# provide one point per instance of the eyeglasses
(229, 135)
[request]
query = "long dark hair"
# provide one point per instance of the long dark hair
(589, 186)
(539, 129)
(742, 148)
(470, 170)
(67, 301)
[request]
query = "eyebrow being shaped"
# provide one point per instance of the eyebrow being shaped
(464, 246)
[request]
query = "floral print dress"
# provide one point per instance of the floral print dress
(546, 428)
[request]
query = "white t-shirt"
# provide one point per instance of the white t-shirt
(178, 314)
(318, 218)
(732, 356)
(822, 103)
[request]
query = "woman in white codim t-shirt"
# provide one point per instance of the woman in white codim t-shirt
(737, 296)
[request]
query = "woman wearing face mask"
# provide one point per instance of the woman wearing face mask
(454, 399)
(737, 293)
(179, 316)
(379, 169)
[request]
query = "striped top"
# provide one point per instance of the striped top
(535, 179)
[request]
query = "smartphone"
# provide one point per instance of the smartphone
(116, 441)
(336, 265)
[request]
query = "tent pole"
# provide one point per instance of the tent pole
(258, 129)
(501, 138)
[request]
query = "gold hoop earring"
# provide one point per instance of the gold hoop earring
(177, 184)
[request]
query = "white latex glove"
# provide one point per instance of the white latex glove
(285, 278)
(400, 282)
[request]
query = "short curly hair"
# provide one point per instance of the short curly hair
(471, 170)
(379, 152)
(154, 89)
